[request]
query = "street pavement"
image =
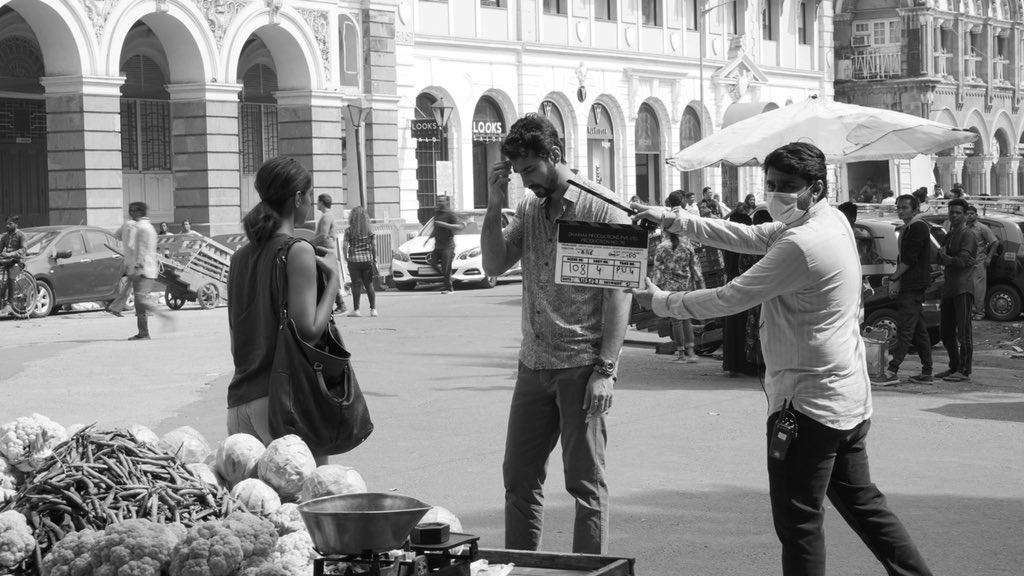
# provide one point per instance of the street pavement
(686, 465)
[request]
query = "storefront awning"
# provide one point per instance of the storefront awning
(744, 110)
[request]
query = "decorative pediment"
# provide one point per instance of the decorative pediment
(738, 76)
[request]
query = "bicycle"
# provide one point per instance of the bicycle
(26, 291)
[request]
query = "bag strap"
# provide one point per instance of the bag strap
(281, 273)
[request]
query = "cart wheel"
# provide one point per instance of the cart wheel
(208, 296)
(174, 302)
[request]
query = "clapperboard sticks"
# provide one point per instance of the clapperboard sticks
(645, 224)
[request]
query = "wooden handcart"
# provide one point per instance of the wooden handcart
(200, 277)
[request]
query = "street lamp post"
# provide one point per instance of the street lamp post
(703, 43)
(356, 113)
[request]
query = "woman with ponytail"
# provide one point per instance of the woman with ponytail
(286, 200)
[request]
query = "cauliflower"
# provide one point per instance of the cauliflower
(258, 537)
(16, 540)
(287, 519)
(209, 549)
(71, 556)
(30, 440)
(8, 477)
(134, 548)
(295, 553)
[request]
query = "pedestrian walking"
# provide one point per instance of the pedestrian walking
(446, 223)
(361, 255)
(572, 337)
(139, 238)
(907, 286)
(988, 245)
(254, 297)
(325, 240)
(816, 380)
(957, 258)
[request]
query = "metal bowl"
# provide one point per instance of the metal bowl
(349, 524)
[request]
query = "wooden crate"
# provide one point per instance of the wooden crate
(558, 564)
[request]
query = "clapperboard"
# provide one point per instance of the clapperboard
(600, 254)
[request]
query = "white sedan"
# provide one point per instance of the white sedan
(411, 265)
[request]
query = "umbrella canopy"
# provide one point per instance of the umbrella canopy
(844, 132)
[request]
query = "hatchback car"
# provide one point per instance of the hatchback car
(73, 264)
(410, 265)
(1004, 297)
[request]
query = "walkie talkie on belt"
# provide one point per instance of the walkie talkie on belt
(783, 432)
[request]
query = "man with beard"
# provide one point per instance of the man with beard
(816, 378)
(957, 258)
(572, 336)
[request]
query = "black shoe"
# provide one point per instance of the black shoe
(943, 374)
(140, 337)
(114, 312)
(922, 379)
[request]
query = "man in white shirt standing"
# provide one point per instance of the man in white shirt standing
(141, 265)
(819, 394)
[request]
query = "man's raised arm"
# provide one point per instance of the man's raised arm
(498, 255)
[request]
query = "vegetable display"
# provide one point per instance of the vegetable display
(29, 441)
(285, 465)
(99, 478)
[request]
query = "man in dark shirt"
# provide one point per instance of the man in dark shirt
(445, 225)
(907, 286)
(12, 253)
(957, 256)
(988, 244)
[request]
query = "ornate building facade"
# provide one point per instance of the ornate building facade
(627, 84)
(177, 102)
(958, 62)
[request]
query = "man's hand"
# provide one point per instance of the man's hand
(497, 183)
(894, 289)
(655, 214)
(597, 400)
(646, 296)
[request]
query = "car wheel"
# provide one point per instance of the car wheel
(173, 301)
(488, 282)
(1002, 303)
(44, 301)
(405, 286)
(208, 296)
(884, 320)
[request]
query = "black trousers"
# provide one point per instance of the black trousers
(957, 331)
(824, 461)
(443, 262)
(910, 330)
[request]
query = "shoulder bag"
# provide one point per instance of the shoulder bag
(314, 392)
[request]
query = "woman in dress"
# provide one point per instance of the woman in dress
(676, 269)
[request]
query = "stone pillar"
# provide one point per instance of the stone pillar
(204, 132)
(950, 168)
(83, 123)
(309, 129)
(1006, 169)
(978, 170)
(383, 194)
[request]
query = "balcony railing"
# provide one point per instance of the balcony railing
(876, 64)
(942, 62)
(999, 65)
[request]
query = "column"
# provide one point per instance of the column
(978, 170)
(83, 123)
(1007, 169)
(309, 129)
(204, 132)
(383, 194)
(950, 168)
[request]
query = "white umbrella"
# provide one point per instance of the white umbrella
(844, 132)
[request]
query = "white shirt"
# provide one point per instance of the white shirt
(809, 285)
(692, 209)
(139, 239)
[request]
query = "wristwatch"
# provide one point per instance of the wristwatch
(604, 367)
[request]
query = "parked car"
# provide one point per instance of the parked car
(1004, 297)
(73, 264)
(410, 265)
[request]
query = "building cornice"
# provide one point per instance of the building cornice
(94, 85)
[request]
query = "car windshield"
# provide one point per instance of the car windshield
(473, 220)
(38, 241)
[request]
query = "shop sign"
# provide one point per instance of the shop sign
(488, 128)
(599, 125)
(425, 129)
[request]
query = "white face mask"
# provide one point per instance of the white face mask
(783, 206)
